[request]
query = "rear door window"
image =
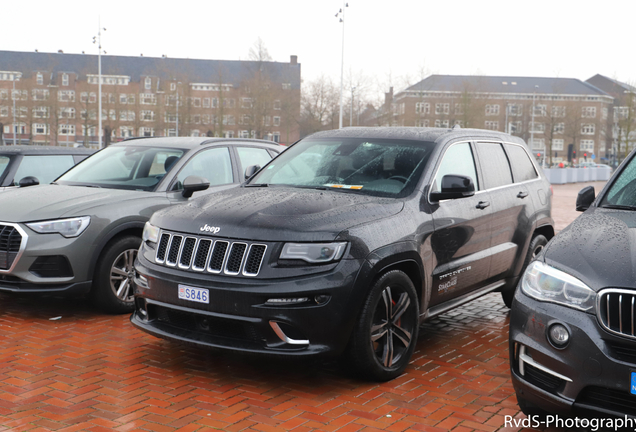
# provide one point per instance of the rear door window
(44, 168)
(494, 164)
(522, 167)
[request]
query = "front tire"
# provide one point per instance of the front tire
(113, 286)
(385, 335)
(537, 244)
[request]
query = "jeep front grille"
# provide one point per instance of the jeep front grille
(616, 309)
(11, 244)
(208, 255)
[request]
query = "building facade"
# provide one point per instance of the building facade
(561, 119)
(53, 99)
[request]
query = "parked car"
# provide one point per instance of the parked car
(81, 234)
(345, 243)
(572, 331)
(30, 165)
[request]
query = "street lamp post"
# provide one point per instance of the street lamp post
(351, 113)
(342, 18)
(177, 102)
(98, 40)
(13, 97)
(532, 120)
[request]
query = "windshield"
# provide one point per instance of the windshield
(622, 193)
(119, 167)
(369, 166)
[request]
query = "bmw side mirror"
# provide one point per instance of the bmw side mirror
(193, 184)
(29, 181)
(585, 198)
(251, 170)
(454, 186)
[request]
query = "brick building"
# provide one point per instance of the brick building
(569, 119)
(52, 98)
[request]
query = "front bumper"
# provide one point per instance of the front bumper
(33, 268)
(591, 374)
(239, 317)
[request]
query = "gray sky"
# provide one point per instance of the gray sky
(390, 42)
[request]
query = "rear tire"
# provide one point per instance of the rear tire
(537, 244)
(113, 287)
(385, 334)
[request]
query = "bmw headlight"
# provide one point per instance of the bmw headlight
(313, 252)
(71, 227)
(545, 283)
(151, 233)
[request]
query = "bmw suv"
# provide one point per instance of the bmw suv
(344, 244)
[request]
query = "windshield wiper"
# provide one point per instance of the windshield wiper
(257, 185)
(618, 207)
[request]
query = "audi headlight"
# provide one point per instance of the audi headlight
(151, 233)
(313, 252)
(71, 227)
(545, 283)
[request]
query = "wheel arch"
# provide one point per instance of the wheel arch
(546, 230)
(134, 228)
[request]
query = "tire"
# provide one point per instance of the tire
(537, 244)
(385, 334)
(112, 290)
(530, 409)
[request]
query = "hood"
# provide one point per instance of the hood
(599, 248)
(277, 213)
(56, 201)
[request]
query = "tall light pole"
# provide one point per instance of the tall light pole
(13, 97)
(178, 84)
(342, 18)
(534, 93)
(351, 113)
(98, 40)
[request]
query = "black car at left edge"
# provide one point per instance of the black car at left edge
(345, 243)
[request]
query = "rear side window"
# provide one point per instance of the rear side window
(522, 167)
(495, 165)
(44, 168)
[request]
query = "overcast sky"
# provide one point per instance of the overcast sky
(390, 42)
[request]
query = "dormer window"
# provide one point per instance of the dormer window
(148, 83)
(64, 79)
(40, 78)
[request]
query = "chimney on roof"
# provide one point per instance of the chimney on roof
(293, 60)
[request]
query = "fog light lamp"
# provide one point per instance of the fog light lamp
(559, 335)
(287, 301)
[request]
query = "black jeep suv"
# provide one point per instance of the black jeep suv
(345, 243)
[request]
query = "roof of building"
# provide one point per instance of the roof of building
(195, 70)
(505, 84)
(610, 85)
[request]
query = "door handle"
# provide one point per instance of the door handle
(483, 204)
(522, 194)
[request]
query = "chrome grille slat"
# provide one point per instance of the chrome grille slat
(616, 309)
(206, 255)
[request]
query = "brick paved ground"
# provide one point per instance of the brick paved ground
(66, 367)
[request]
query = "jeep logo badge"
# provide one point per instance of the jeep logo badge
(209, 228)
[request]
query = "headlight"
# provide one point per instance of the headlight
(67, 227)
(151, 233)
(545, 283)
(313, 252)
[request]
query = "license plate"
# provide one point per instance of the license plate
(200, 295)
(632, 385)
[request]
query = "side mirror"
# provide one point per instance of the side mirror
(193, 184)
(29, 181)
(585, 198)
(251, 170)
(454, 186)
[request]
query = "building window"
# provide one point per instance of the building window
(442, 108)
(558, 111)
(65, 79)
(588, 129)
(537, 143)
(587, 145)
(127, 115)
(4, 111)
(492, 110)
(515, 110)
(229, 103)
(492, 125)
(537, 127)
(147, 99)
(442, 123)
(147, 86)
(228, 134)
(146, 132)
(66, 129)
(244, 134)
(173, 87)
(147, 115)
(125, 131)
(559, 128)
(276, 104)
(422, 123)
(40, 129)
(540, 110)
(40, 78)
(459, 109)
(228, 120)
(588, 112)
(206, 102)
(557, 144)
(37, 94)
(621, 112)
(604, 113)
(422, 108)
(286, 86)
(170, 118)
(276, 121)
(67, 112)
(41, 112)
(66, 96)
(89, 131)
(246, 102)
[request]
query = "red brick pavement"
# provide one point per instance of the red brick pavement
(66, 367)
